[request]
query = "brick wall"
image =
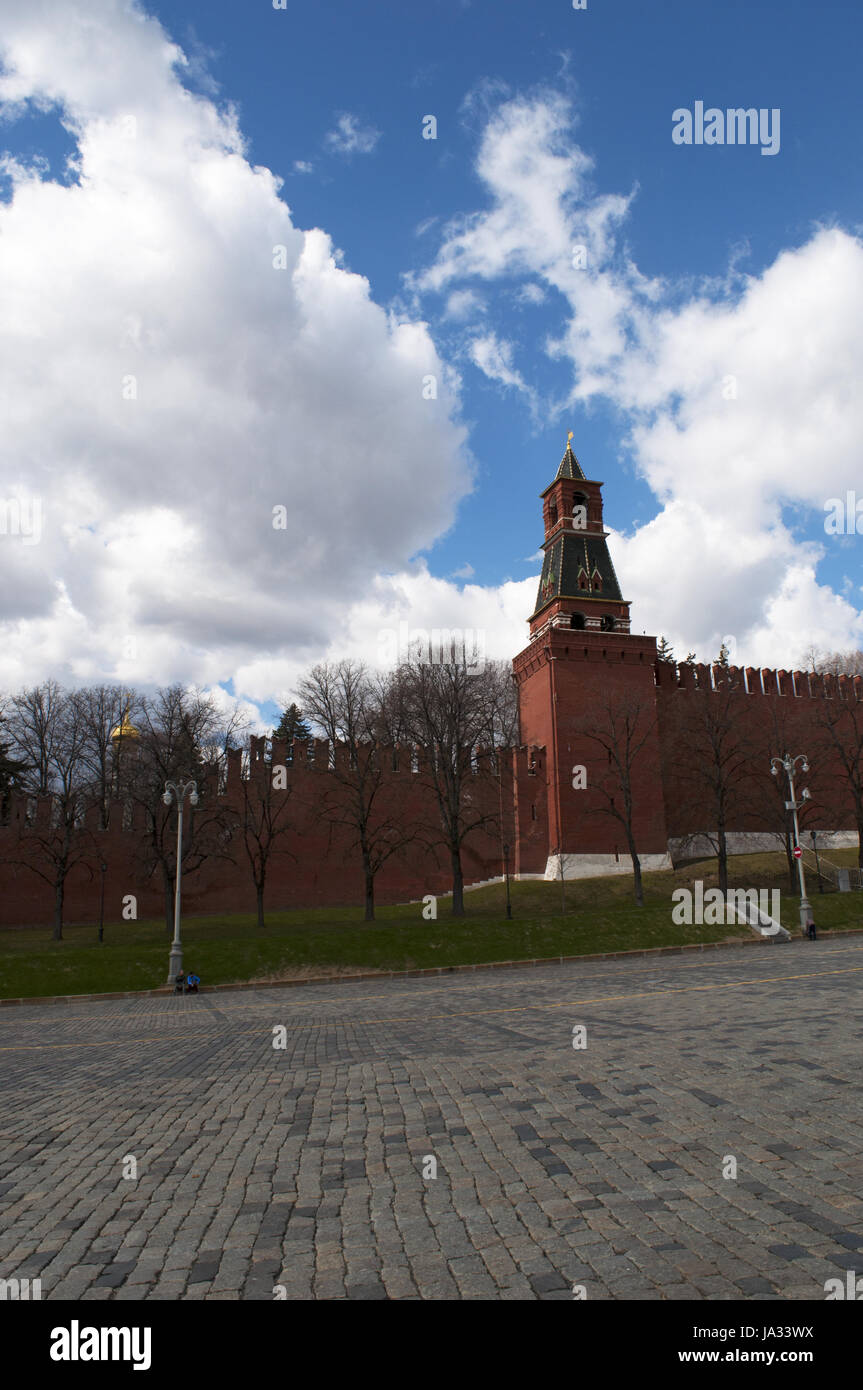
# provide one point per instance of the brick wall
(322, 868)
(565, 678)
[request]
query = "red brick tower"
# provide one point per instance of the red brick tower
(582, 662)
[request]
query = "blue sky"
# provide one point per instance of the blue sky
(625, 65)
(705, 264)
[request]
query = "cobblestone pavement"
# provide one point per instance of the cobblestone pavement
(304, 1167)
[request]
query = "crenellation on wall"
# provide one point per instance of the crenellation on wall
(323, 867)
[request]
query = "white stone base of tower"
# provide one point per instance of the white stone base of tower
(601, 865)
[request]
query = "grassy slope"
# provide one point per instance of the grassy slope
(600, 916)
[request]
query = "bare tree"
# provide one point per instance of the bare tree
(356, 714)
(181, 734)
(838, 663)
(500, 704)
(715, 754)
(263, 819)
(840, 724)
(48, 730)
(36, 718)
(622, 726)
(447, 711)
(103, 710)
(13, 769)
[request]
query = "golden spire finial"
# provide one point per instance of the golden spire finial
(125, 729)
(569, 439)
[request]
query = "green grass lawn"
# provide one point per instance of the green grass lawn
(600, 916)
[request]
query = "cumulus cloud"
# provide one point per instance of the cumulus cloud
(181, 366)
(179, 361)
(741, 396)
(380, 622)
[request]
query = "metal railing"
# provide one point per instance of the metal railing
(830, 871)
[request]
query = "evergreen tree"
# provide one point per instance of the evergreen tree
(292, 726)
(722, 659)
(665, 651)
(689, 659)
(12, 772)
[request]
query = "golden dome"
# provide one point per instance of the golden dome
(124, 729)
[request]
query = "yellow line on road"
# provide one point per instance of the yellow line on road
(469, 1013)
(614, 998)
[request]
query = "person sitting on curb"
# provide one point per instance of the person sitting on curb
(179, 983)
(192, 982)
(810, 930)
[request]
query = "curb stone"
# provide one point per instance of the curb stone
(430, 971)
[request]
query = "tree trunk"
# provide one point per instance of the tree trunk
(792, 867)
(636, 874)
(59, 893)
(722, 858)
(457, 882)
(369, 876)
(259, 893)
(860, 843)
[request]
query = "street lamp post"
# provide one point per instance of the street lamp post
(506, 872)
(789, 764)
(174, 793)
(817, 860)
(103, 869)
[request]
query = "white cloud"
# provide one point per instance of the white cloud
(253, 386)
(530, 294)
(302, 166)
(350, 136)
(463, 304)
(398, 604)
(742, 396)
(494, 359)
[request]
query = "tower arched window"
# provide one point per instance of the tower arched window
(608, 624)
(577, 621)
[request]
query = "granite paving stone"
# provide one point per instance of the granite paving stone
(306, 1167)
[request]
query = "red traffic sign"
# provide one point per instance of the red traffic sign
(798, 853)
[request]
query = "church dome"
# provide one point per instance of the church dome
(124, 729)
